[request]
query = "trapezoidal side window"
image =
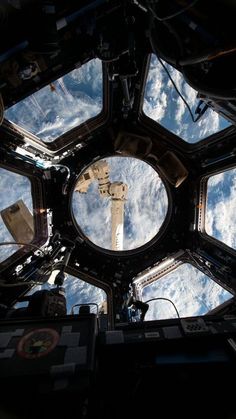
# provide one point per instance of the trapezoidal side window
(220, 217)
(191, 291)
(62, 105)
(77, 292)
(163, 104)
(16, 207)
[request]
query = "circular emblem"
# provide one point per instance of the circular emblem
(37, 343)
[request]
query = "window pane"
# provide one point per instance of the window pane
(62, 105)
(13, 188)
(77, 292)
(134, 220)
(163, 104)
(192, 292)
(221, 207)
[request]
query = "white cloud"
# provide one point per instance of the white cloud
(71, 100)
(214, 180)
(180, 110)
(155, 105)
(221, 207)
(209, 124)
(80, 292)
(77, 292)
(163, 104)
(156, 108)
(145, 208)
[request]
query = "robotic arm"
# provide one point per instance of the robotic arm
(117, 191)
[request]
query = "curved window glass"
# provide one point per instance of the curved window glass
(120, 203)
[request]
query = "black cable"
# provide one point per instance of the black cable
(156, 51)
(23, 244)
(177, 90)
(196, 85)
(165, 299)
(184, 9)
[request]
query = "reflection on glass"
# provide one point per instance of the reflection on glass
(76, 292)
(62, 105)
(15, 193)
(163, 104)
(221, 207)
(120, 203)
(192, 292)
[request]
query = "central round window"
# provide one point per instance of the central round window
(119, 203)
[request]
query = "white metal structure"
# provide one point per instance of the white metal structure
(117, 191)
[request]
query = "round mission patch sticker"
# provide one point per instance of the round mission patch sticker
(37, 343)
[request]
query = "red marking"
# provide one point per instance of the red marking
(38, 343)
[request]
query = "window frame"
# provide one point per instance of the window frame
(202, 208)
(146, 120)
(178, 263)
(39, 217)
(75, 135)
